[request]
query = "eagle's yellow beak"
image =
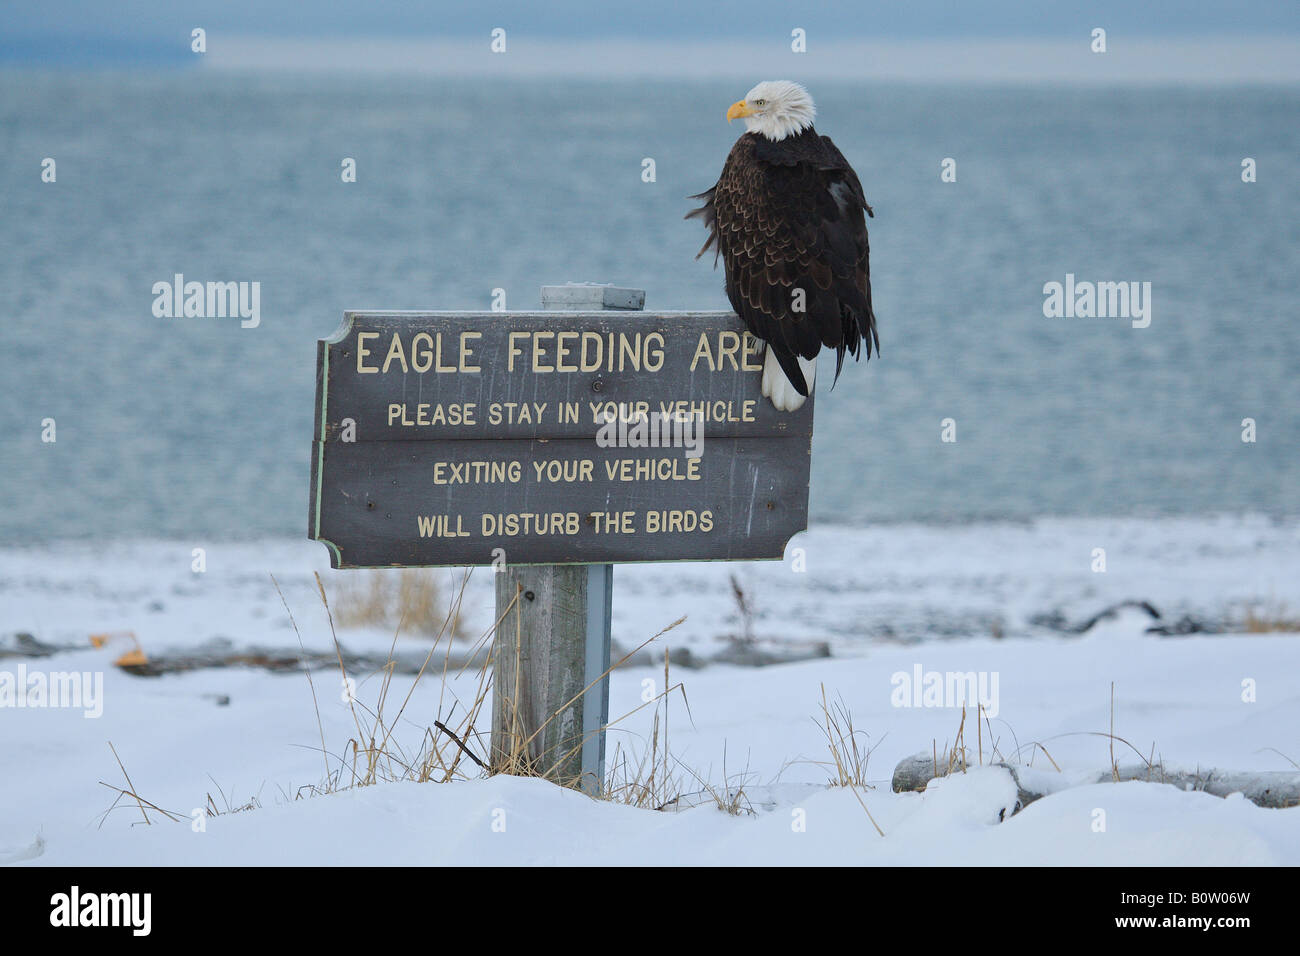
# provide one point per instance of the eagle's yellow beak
(738, 110)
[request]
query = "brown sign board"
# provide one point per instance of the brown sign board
(468, 438)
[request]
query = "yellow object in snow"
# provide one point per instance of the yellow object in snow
(128, 656)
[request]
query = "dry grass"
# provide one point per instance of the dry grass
(650, 777)
(746, 612)
(654, 780)
(847, 757)
(657, 779)
(452, 748)
(959, 756)
(730, 797)
(129, 795)
(1271, 621)
(408, 599)
(374, 754)
(647, 777)
(212, 809)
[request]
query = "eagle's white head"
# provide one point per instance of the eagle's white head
(775, 108)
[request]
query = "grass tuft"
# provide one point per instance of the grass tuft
(384, 598)
(1271, 621)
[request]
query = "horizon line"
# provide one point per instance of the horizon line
(1025, 59)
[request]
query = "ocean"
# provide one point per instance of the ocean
(186, 428)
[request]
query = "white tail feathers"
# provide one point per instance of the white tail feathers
(778, 388)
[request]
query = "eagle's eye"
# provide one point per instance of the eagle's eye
(760, 102)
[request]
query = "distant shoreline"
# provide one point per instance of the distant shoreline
(1201, 61)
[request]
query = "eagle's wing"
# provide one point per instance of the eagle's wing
(707, 212)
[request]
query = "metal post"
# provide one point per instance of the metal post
(595, 711)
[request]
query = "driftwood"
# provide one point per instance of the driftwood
(1160, 625)
(737, 653)
(220, 653)
(1275, 789)
(22, 644)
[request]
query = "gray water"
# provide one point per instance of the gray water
(186, 427)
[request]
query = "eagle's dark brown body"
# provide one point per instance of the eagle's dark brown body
(787, 215)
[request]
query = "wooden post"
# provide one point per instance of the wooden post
(555, 641)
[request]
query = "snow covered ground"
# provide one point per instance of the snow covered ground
(891, 602)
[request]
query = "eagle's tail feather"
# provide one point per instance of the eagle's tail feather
(777, 385)
(854, 334)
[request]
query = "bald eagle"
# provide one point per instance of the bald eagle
(786, 218)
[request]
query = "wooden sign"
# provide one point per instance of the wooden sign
(473, 438)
